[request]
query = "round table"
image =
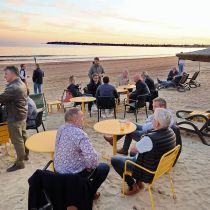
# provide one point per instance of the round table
(42, 142)
(113, 127)
(83, 100)
(127, 86)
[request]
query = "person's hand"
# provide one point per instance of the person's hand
(133, 149)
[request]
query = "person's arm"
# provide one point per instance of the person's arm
(142, 146)
(7, 95)
(89, 154)
(98, 92)
(102, 70)
(34, 76)
(90, 72)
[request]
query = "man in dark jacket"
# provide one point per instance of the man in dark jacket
(38, 75)
(141, 89)
(150, 150)
(14, 98)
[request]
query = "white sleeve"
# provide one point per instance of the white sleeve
(144, 145)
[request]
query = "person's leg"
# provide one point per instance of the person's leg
(99, 176)
(118, 163)
(39, 88)
(25, 136)
(136, 135)
(16, 136)
(35, 88)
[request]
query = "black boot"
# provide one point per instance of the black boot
(16, 167)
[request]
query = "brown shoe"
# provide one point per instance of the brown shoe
(140, 185)
(122, 152)
(96, 196)
(132, 190)
(109, 139)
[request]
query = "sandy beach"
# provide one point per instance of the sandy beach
(191, 174)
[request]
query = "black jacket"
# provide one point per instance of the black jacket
(141, 89)
(38, 75)
(63, 190)
(74, 89)
(92, 87)
(150, 83)
(172, 74)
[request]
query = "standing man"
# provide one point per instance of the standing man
(14, 98)
(23, 75)
(96, 68)
(38, 75)
(181, 63)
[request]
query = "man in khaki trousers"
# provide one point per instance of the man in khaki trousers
(14, 98)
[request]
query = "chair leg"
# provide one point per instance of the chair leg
(115, 116)
(172, 185)
(151, 198)
(136, 114)
(43, 126)
(98, 114)
(123, 184)
(37, 130)
(124, 111)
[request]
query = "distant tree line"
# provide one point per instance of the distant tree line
(127, 45)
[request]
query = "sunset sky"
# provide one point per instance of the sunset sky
(119, 21)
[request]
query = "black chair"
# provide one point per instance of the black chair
(105, 102)
(140, 102)
(36, 122)
(192, 81)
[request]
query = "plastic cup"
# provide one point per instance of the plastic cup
(122, 125)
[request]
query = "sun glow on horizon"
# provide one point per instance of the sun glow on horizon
(115, 21)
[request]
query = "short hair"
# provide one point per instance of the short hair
(161, 101)
(37, 65)
(21, 65)
(96, 59)
(144, 74)
(94, 75)
(12, 69)
(105, 79)
(71, 113)
(163, 117)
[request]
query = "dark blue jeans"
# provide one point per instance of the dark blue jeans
(37, 88)
(118, 163)
(97, 177)
(136, 135)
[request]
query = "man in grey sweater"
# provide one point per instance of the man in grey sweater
(96, 68)
(14, 98)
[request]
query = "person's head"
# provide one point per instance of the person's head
(75, 117)
(161, 119)
(37, 66)
(23, 66)
(11, 73)
(72, 80)
(105, 80)
(144, 75)
(174, 69)
(136, 78)
(95, 78)
(159, 103)
(125, 74)
(96, 60)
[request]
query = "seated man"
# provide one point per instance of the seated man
(75, 154)
(141, 89)
(74, 88)
(32, 111)
(141, 129)
(150, 150)
(92, 88)
(172, 73)
(106, 90)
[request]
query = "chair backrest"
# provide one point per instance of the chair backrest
(141, 101)
(39, 100)
(4, 134)
(38, 119)
(105, 102)
(66, 96)
(166, 163)
(184, 78)
(195, 75)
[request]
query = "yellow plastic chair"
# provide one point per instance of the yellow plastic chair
(4, 138)
(165, 166)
